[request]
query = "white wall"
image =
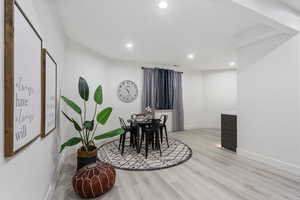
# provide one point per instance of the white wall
(192, 92)
(275, 10)
(98, 70)
(81, 61)
(268, 124)
(119, 71)
(219, 94)
(30, 174)
(193, 102)
(205, 94)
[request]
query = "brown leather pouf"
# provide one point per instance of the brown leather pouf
(94, 180)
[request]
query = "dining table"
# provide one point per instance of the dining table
(139, 124)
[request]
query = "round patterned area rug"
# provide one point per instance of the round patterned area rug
(176, 154)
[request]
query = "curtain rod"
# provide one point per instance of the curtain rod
(159, 68)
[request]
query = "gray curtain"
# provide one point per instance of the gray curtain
(149, 89)
(164, 90)
(171, 88)
(178, 115)
(160, 90)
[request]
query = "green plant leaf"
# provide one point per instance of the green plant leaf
(98, 98)
(110, 134)
(73, 105)
(73, 141)
(83, 88)
(76, 125)
(67, 116)
(89, 125)
(103, 116)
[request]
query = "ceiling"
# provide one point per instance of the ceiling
(206, 28)
(292, 4)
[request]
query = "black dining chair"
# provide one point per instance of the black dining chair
(151, 135)
(163, 127)
(133, 137)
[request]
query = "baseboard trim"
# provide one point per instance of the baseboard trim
(192, 127)
(288, 167)
(52, 185)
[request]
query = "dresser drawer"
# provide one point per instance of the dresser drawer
(229, 132)
(229, 144)
(229, 122)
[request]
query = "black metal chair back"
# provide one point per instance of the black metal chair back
(122, 123)
(155, 123)
(164, 119)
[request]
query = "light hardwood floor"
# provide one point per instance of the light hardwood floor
(211, 174)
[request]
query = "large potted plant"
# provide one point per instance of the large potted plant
(87, 128)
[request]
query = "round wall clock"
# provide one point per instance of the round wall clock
(127, 91)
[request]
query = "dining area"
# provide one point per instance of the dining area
(146, 144)
(144, 130)
(148, 141)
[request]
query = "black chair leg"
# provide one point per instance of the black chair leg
(141, 142)
(137, 141)
(152, 141)
(123, 143)
(157, 139)
(147, 142)
(120, 141)
(161, 134)
(158, 143)
(167, 136)
(131, 139)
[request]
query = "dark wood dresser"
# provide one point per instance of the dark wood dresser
(229, 131)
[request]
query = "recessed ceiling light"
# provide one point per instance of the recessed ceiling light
(129, 45)
(162, 4)
(231, 64)
(191, 56)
